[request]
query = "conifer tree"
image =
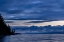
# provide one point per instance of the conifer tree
(4, 29)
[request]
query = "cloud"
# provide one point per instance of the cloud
(36, 21)
(14, 11)
(9, 21)
(42, 21)
(35, 2)
(32, 9)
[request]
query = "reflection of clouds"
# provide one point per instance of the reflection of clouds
(23, 23)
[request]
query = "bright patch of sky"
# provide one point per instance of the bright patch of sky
(32, 22)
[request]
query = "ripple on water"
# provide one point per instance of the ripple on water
(35, 38)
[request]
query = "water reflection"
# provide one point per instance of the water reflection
(5, 39)
(2, 39)
(34, 38)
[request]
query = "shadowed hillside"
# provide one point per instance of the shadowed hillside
(4, 29)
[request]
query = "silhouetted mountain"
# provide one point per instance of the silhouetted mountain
(4, 29)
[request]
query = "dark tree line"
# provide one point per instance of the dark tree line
(4, 29)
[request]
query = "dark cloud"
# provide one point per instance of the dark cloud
(9, 22)
(32, 9)
(41, 21)
(35, 21)
(14, 11)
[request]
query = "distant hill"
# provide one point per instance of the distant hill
(41, 30)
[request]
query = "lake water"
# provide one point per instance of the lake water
(34, 38)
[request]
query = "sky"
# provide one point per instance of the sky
(32, 9)
(34, 23)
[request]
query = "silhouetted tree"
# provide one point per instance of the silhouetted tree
(4, 29)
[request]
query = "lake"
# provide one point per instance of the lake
(34, 38)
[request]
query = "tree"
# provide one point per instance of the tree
(4, 29)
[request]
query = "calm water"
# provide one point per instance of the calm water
(34, 38)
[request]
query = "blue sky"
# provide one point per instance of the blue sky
(32, 9)
(32, 12)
